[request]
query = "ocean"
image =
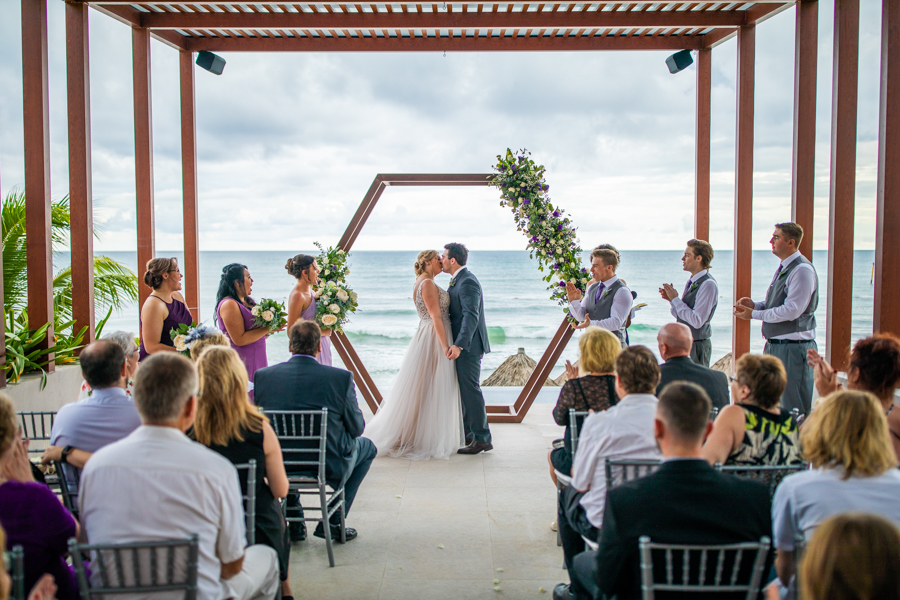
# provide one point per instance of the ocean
(518, 310)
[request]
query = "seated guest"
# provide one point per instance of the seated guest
(592, 386)
(302, 383)
(755, 431)
(685, 502)
(624, 431)
(126, 341)
(107, 415)
(44, 589)
(31, 514)
(675, 344)
(156, 484)
(205, 336)
(853, 556)
(227, 423)
(846, 441)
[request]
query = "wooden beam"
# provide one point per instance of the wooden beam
(190, 191)
(843, 182)
(887, 240)
(38, 250)
(743, 184)
(143, 152)
(568, 4)
(757, 14)
(804, 160)
(541, 371)
(130, 16)
(78, 98)
(702, 142)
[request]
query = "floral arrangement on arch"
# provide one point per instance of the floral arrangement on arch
(551, 236)
(335, 300)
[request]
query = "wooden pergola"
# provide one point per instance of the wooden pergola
(291, 26)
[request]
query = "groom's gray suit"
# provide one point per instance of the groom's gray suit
(470, 335)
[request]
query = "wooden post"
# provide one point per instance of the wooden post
(191, 265)
(704, 112)
(81, 210)
(39, 255)
(843, 182)
(887, 240)
(804, 163)
(743, 184)
(143, 152)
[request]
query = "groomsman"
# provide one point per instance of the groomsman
(788, 315)
(697, 305)
(607, 302)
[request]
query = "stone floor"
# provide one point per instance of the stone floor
(448, 529)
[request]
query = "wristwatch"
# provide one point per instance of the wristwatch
(64, 457)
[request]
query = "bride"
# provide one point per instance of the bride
(421, 417)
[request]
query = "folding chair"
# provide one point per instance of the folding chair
(770, 475)
(36, 428)
(563, 480)
(249, 496)
(714, 413)
(15, 564)
(620, 471)
(68, 487)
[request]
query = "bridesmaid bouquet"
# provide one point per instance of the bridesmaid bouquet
(269, 313)
(334, 299)
(183, 335)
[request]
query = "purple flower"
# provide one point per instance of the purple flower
(555, 213)
(526, 201)
(546, 188)
(562, 284)
(559, 227)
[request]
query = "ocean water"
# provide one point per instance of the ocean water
(518, 310)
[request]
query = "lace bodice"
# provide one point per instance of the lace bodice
(443, 301)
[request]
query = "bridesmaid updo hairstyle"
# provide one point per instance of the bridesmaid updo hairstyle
(232, 274)
(425, 256)
(156, 268)
(299, 265)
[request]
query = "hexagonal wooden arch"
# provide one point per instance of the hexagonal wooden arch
(497, 413)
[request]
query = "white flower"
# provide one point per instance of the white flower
(255, 311)
(347, 272)
(334, 308)
(267, 315)
(325, 260)
(319, 293)
(342, 295)
(330, 284)
(329, 320)
(353, 296)
(341, 252)
(179, 343)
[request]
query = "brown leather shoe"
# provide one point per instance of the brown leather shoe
(475, 447)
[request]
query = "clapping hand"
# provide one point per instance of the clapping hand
(572, 292)
(587, 322)
(571, 371)
(824, 375)
(743, 309)
(668, 292)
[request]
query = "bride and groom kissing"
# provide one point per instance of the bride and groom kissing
(436, 407)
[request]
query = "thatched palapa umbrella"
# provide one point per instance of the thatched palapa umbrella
(514, 371)
(724, 364)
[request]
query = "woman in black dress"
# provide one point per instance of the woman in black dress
(228, 424)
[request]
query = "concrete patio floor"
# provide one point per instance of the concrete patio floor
(440, 529)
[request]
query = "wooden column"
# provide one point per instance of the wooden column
(39, 261)
(743, 183)
(843, 182)
(191, 265)
(804, 164)
(704, 112)
(80, 210)
(143, 152)
(887, 236)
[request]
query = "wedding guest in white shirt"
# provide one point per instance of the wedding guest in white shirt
(788, 315)
(157, 484)
(605, 303)
(697, 305)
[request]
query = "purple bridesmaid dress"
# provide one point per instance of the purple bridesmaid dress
(178, 314)
(325, 354)
(253, 355)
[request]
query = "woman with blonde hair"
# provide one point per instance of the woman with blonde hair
(227, 423)
(164, 309)
(421, 417)
(845, 439)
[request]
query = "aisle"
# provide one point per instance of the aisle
(490, 511)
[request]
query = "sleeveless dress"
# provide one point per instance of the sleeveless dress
(253, 355)
(325, 353)
(178, 314)
(769, 439)
(421, 417)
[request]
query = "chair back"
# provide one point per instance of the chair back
(620, 471)
(68, 488)
(36, 427)
(770, 475)
(714, 413)
(730, 568)
(137, 568)
(249, 496)
(303, 435)
(15, 564)
(574, 416)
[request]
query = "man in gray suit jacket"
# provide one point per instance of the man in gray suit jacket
(470, 344)
(675, 343)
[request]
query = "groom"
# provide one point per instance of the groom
(470, 343)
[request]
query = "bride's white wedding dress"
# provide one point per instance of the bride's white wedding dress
(421, 417)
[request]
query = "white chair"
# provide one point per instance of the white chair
(563, 480)
(15, 564)
(249, 497)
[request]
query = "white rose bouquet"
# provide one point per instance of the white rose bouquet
(335, 301)
(182, 336)
(270, 314)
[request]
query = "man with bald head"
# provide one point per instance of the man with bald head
(675, 341)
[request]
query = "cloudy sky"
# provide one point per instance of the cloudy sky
(289, 143)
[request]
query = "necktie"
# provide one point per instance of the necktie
(599, 291)
(777, 273)
(687, 288)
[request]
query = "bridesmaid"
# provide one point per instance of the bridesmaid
(164, 309)
(233, 317)
(302, 301)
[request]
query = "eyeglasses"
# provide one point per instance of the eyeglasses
(732, 378)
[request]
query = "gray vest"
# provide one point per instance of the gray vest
(776, 296)
(704, 332)
(599, 310)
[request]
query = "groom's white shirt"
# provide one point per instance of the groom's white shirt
(458, 271)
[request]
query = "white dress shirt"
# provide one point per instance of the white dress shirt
(623, 431)
(706, 299)
(458, 271)
(800, 284)
(157, 484)
(618, 313)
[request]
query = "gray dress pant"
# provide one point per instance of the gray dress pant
(468, 371)
(799, 390)
(701, 352)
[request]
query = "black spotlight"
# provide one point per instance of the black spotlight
(216, 64)
(677, 62)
